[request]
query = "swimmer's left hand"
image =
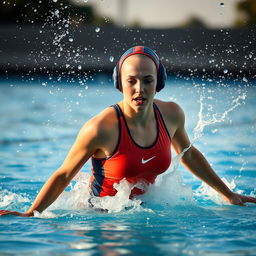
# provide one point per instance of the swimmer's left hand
(6, 212)
(237, 199)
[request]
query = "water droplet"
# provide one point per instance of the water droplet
(225, 71)
(245, 80)
(111, 58)
(97, 29)
(214, 130)
(79, 67)
(55, 1)
(70, 39)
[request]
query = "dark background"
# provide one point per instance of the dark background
(46, 37)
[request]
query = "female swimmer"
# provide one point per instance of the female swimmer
(132, 139)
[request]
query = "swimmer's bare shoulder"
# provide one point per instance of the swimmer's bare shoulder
(102, 130)
(95, 138)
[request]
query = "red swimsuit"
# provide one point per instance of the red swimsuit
(131, 161)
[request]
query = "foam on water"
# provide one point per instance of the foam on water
(205, 192)
(168, 191)
(169, 188)
(10, 199)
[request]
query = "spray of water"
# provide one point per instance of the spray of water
(216, 118)
(12, 200)
(205, 191)
(169, 188)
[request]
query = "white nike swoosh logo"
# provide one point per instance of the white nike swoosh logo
(147, 160)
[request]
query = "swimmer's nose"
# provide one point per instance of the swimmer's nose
(140, 86)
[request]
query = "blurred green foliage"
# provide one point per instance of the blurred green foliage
(247, 8)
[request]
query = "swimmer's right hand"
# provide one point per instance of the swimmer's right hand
(6, 212)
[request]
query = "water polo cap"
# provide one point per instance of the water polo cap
(161, 71)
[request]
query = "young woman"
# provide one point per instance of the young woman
(132, 139)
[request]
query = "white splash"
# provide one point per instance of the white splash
(8, 199)
(205, 192)
(78, 198)
(216, 118)
(120, 201)
(169, 188)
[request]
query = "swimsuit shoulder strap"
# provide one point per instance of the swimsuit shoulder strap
(118, 110)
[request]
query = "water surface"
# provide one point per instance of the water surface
(39, 123)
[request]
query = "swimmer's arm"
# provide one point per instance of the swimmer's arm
(84, 146)
(194, 161)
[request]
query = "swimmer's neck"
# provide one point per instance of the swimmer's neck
(140, 117)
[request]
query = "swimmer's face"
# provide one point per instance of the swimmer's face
(139, 80)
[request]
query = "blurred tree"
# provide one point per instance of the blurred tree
(135, 24)
(248, 10)
(30, 11)
(193, 22)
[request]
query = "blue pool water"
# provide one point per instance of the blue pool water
(180, 216)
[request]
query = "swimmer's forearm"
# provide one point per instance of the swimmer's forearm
(54, 186)
(199, 166)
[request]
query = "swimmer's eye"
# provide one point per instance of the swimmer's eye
(148, 81)
(131, 81)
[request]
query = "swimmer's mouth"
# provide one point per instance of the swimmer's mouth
(139, 100)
